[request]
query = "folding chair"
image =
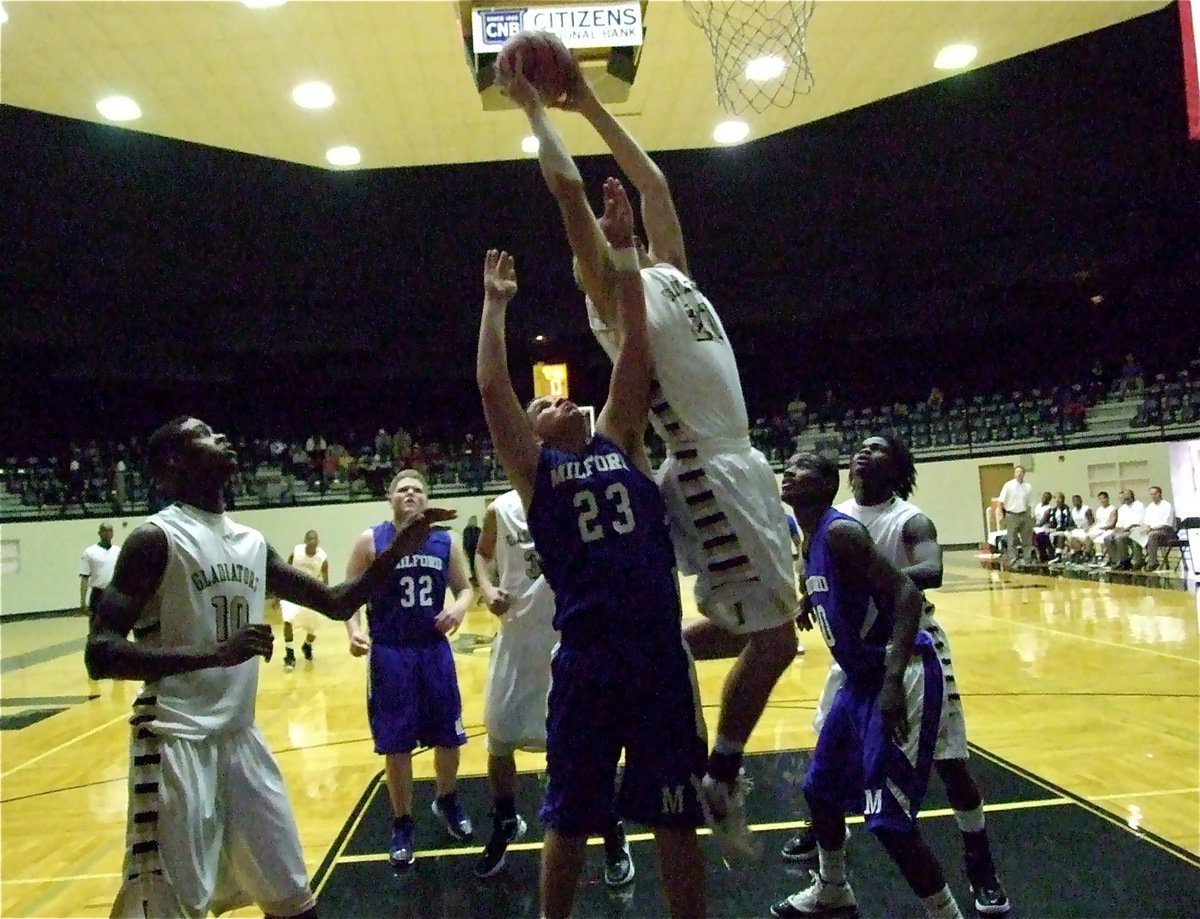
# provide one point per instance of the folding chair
(1182, 543)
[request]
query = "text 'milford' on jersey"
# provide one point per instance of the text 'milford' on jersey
(600, 525)
(854, 628)
(402, 611)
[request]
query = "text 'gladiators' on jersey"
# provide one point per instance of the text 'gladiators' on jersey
(213, 585)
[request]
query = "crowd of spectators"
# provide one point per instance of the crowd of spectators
(1050, 414)
(109, 477)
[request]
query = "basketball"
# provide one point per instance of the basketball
(545, 62)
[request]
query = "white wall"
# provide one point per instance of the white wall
(947, 491)
(49, 550)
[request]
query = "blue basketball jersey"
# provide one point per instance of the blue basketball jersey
(402, 611)
(600, 525)
(854, 628)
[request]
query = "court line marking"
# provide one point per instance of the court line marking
(33, 701)
(1099, 641)
(337, 857)
(124, 716)
(340, 859)
(42, 655)
(64, 879)
(1143, 794)
(702, 831)
(1150, 836)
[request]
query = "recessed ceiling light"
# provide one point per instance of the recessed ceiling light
(118, 108)
(539, 338)
(313, 94)
(762, 69)
(343, 156)
(955, 57)
(731, 132)
(530, 144)
(263, 4)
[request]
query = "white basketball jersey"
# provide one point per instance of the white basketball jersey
(309, 564)
(517, 561)
(213, 585)
(699, 399)
(885, 522)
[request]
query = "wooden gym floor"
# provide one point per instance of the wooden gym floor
(1081, 698)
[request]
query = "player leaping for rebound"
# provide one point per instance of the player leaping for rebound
(727, 521)
(621, 677)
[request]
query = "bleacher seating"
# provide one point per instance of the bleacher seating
(276, 473)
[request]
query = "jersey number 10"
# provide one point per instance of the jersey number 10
(233, 613)
(823, 624)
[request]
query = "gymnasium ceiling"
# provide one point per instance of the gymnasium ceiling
(220, 73)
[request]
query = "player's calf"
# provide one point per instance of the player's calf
(921, 870)
(967, 801)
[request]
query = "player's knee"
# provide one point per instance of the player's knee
(775, 647)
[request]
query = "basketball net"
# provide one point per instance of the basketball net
(758, 50)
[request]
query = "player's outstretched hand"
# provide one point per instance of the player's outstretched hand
(617, 220)
(412, 534)
(578, 94)
(499, 277)
(513, 84)
(893, 709)
(247, 642)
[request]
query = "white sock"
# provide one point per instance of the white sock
(970, 821)
(833, 864)
(941, 905)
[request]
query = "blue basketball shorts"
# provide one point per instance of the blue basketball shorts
(413, 699)
(856, 768)
(597, 708)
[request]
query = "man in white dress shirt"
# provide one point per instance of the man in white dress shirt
(96, 566)
(1016, 497)
(1157, 529)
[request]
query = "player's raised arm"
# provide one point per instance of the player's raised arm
(342, 601)
(512, 436)
(623, 418)
(663, 232)
(588, 244)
